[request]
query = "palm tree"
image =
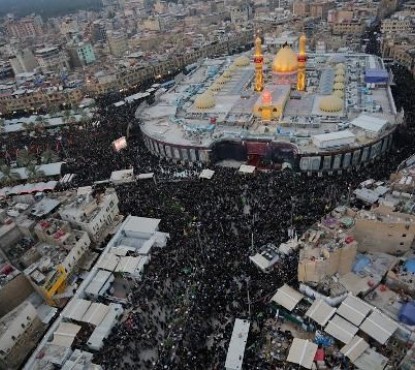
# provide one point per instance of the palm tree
(28, 127)
(49, 156)
(34, 173)
(9, 176)
(24, 158)
(2, 125)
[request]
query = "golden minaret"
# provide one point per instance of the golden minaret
(302, 59)
(259, 62)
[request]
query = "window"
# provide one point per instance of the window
(403, 235)
(13, 337)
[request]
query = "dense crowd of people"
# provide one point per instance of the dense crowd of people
(182, 313)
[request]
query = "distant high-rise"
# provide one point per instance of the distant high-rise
(98, 32)
(30, 26)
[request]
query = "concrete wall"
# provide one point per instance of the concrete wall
(14, 293)
(378, 236)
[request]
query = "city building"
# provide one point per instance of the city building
(81, 54)
(301, 8)
(98, 32)
(346, 27)
(23, 61)
(52, 58)
(397, 24)
(30, 26)
(117, 43)
(93, 214)
(20, 331)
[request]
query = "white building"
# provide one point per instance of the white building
(92, 214)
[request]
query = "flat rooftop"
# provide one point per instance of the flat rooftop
(178, 119)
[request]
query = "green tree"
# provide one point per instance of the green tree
(49, 156)
(34, 173)
(9, 176)
(24, 158)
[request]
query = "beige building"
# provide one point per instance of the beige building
(384, 231)
(320, 9)
(14, 289)
(20, 331)
(23, 61)
(94, 215)
(348, 27)
(400, 25)
(301, 8)
(117, 43)
(52, 58)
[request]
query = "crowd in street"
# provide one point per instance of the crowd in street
(182, 313)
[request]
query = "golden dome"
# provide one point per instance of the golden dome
(339, 94)
(339, 78)
(227, 74)
(205, 101)
(338, 86)
(221, 80)
(340, 72)
(285, 61)
(242, 61)
(331, 103)
(340, 66)
(215, 87)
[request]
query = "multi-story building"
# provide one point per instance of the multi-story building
(81, 54)
(320, 9)
(20, 330)
(400, 25)
(69, 27)
(117, 43)
(30, 26)
(355, 26)
(25, 100)
(242, 13)
(52, 58)
(23, 61)
(301, 8)
(94, 215)
(98, 32)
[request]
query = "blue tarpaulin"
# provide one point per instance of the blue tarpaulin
(407, 313)
(376, 76)
(410, 265)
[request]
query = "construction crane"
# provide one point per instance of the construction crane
(55, 285)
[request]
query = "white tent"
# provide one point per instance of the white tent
(341, 329)
(370, 123)
(95, 313)
(379, 327)
(320, 312)
(65, 334)
(76, 309)
(302, 352)
(246, 169)
(236, 350)
(287, 297)
(206, 174)
(354, 349)
(122, 176)
(354, 309)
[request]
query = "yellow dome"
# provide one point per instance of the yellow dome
(242, 61)
(340, 72)
(205, 101)
(339, 78)
(338, 86)
(331, 103)
(340, 66)
(227, 74)
(339, 94)
(215, 87)
(221, 80)
(285, 61)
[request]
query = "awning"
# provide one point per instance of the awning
(320, 312)
(341, 329)
(355, 348)
(354, 309)
(76, 309)
(246, 169)
(379, 327)
(302, 352)
(287, 297)
(206, 174)
(95, 313)
(65, 334)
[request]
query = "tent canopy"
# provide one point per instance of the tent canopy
(302, 352)
(354, 309)
(341, 329)
(407, 313)
(320, 312)
(354, 349)
(379, 327)
(287, 297)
